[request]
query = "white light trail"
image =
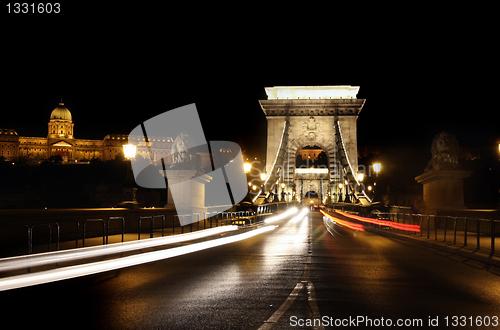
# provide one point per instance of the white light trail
(282, 215)
(54, 275)
(301, 215)
(102, 250)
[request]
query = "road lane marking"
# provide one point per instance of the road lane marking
(313, 310)
(283, 308)
(313, 305)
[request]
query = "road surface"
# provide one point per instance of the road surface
(280, 279)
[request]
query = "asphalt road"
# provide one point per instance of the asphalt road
(280, 279)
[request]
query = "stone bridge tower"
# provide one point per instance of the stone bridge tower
(310, 116)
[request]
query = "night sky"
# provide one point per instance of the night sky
(115, 70)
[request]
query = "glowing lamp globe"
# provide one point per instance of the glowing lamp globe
(247, 167)
(129, 150)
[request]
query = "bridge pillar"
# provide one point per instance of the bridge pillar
(311, 112)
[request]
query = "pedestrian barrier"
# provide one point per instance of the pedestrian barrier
(75, 221)
(198, 222)
(49, 225)
(173, 222)
(440, 226)
(140, 226)
(29, 230)
(85, 229)
(221, 218)
(162, 222)
(123, 227)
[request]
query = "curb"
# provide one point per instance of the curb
(486, 258)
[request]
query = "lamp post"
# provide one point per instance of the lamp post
(370, 190)
(348, 196)
(340, 192)
(275, 195)
(377, 167)
(263, 179)
(283, 192)
(361, 177)
(262, 191)
(247, 167)
(129, 150)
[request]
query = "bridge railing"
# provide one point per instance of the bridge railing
(478, 233)
(42, 237)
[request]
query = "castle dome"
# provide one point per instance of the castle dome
(61, 113)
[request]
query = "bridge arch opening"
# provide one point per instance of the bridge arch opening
(311, 197)
(311, 157)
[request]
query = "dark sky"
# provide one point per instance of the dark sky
(117, 69)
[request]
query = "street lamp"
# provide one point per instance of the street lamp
(376, 167)
(340, 192)
(247, 167)
(129, 150)
(263, 179)
(283, 192)
(361, 186)
(129, 190)
(370, 188)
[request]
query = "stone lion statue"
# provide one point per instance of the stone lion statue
(444, 153)
(180, 150)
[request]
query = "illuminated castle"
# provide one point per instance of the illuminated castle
(60, 141)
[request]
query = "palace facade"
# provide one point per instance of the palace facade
(60, 141)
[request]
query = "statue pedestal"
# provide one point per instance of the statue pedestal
(443, 189)
(186, 192)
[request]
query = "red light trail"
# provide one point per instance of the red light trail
(401, 226)
(353, 226)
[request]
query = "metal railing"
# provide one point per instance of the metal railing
(85, 229)
(450, 229)
(30, 229)
(30, 235)
(123, 227)
(206, 220)
(220, 218)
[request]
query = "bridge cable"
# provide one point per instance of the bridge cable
(346, 164)
(280, 154)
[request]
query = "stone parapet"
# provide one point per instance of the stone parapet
(443, 189)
